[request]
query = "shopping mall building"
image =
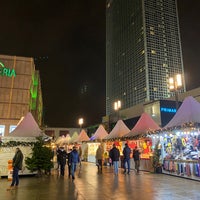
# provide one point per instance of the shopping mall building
(161, 111)
(20, 92)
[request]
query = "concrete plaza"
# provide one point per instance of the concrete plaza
(91, 185)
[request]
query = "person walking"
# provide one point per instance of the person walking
(114, 155)
(80, 155)
(17, 165)
(126, 154)
(74, 159)
(136, 157)
(58, 164)
(62, 156)
(99, 158)
(68, 162)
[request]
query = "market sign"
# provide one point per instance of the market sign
(169, 110)
(6, 71)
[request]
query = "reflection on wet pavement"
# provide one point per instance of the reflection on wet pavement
(91, 185)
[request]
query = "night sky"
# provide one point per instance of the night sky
(67, 41)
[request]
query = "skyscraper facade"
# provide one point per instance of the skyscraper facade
(143, 50)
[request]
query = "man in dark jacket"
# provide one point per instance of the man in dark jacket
(17, 165)
(62, 156)
(126, 154)
(136, 157)
(114, 155)
(68, 162)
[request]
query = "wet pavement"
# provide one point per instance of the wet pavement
(91, 185)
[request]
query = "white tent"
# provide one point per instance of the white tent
(74, 137)
(189, 111)
(99, 134)
(118, 131)
(27, 130)
(144, 125)
(62, 140)
(82, 137)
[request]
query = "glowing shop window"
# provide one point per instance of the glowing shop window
(12, 128)
(2, 130)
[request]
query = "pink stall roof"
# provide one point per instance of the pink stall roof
(100, 133)
(144, 125)
(82, 137)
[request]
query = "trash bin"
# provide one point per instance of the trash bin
(10, 170)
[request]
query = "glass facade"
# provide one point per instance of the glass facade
(143, 50)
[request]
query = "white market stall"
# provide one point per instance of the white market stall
(120, 129)
(138, 135)
(23, 137)
(95, 141)
(81, 140)
(180, 141)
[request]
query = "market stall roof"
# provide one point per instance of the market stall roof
(63, 140)
(99, 134)
(74, 136)
(189, 111)
(82, 137)
(27, 127)
(144, 125)
(118, 131)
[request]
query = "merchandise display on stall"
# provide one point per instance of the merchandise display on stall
(180, 140)
(92, 148)
(181, 153)
(145, 146)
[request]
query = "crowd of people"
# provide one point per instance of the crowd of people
(114, 155)
(73, 157)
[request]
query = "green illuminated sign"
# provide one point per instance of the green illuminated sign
(6, 71)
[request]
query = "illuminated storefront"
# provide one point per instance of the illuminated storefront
(20, 92)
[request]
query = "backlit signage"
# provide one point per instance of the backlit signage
(169, 110)
(4, 71)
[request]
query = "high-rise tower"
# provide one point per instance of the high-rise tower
(143, 50)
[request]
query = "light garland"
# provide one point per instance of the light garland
(16, 143)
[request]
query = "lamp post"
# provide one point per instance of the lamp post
(175, 83)
(117, 106)
(80, 122)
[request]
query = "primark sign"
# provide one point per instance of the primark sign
(4, 71)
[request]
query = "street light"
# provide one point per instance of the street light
(80, 122)
(174, 85)
(117, 106)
